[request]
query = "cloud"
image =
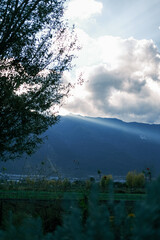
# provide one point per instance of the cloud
(83, 9)
(125, 83)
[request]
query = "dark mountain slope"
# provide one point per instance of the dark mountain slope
(79, 146)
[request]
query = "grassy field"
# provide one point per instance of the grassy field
(44, 195)
(87, 206)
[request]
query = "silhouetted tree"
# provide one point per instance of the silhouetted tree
(36, 47)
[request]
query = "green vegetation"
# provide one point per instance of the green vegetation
(60, 209)
(105, 181)
(64, 185)
(135, 180)
(36, 47)
(91, 219)
(44, 195)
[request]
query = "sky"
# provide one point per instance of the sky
(119, 59)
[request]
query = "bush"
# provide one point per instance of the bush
(147, 224)
(135, 180)
(88, 184)
(105, 181)
(96, 226)
(66, 184)
(29, 229)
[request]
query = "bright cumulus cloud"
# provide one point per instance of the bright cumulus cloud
(122, 79)
(83, 9)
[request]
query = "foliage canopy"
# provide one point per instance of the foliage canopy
(36, 47)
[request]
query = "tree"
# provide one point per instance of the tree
(36, 47)
(134, 179)
(105, 181)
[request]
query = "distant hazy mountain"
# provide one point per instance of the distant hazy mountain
(79, 146)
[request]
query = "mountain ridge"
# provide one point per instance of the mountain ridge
(79, 146)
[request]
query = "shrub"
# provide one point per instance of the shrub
(88, 184)
(134, 179)
(29, 229)
(66, 184)
(105, 181)
(96, 226)
(147, 224)
(140, 180)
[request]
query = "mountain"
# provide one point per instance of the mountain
(79, 146)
